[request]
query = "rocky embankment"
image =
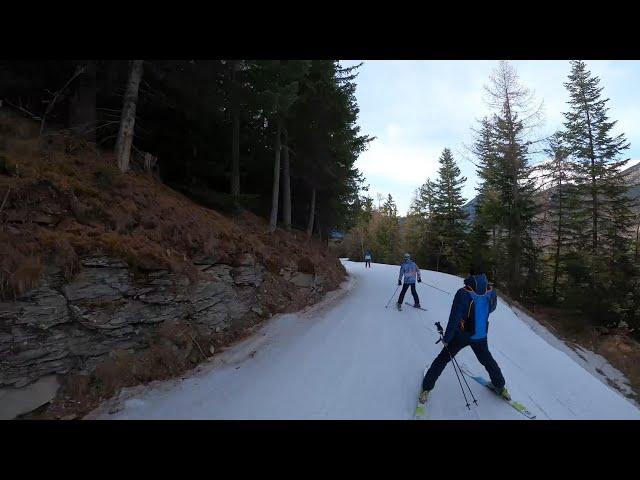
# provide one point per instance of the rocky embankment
(59, 334)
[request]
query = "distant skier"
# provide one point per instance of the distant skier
(411, 272)
(468, 326)
(367, 258)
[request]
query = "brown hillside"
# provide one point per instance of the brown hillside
(193, 280)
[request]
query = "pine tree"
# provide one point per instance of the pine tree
(483, 237)
(389, 208)
(419, 237)
(235, 92)
(509, 171)
(604, 211)
(386, 231)
(560, 206)
(325, 143)
(278, 90)
(422, 203)
(448, 215)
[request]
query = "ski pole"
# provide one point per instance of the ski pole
(443, 291)
(465, 381)
(453, 364)
(394, 294)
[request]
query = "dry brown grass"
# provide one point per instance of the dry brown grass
(67, 199)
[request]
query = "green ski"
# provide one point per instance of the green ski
(516, 405)
(421, 409)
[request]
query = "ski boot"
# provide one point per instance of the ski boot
(421, 410)
(417, 305)
(504, 393)
(424, 395)
(399, 306)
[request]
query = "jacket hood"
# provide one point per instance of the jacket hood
(478, 283)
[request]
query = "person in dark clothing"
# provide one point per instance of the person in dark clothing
(410, 271)
(468, 326)
(367, 258)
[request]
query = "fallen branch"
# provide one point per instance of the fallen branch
(193, 339)
(198, 345)
(23, 110)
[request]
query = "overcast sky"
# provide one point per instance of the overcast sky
(416, 108)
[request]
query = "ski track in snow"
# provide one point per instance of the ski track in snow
(348, 357)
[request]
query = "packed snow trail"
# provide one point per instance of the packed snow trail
(351, 358)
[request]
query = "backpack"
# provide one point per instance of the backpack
(477, 321)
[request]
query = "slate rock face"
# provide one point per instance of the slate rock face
(61, 328)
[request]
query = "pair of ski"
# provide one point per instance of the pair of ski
(421, 409)
(407, 303)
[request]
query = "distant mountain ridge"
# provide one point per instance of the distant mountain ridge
(633, 180)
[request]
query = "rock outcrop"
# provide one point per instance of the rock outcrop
(63, 328)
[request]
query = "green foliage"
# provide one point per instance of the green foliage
(435, 228)
(377, 229)
(505, 215)
(448, 217)
(579, 251)
(602, 212)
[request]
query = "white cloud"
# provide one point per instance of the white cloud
(393, 131)
(417, 108)
(392, 166)
(403, 163)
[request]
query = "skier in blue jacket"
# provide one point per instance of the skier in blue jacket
(367, 258)
(468, 326)
(410, 271)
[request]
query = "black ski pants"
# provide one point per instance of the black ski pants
(481, 350)
(413, 292)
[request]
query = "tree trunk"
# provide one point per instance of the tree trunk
(318, 228)
(286, 186)
(235, 146)
(558, 241)
(312, 212)
(128, 118)
(276, 180)
(494, 255)
(82, 105)
(594, 197)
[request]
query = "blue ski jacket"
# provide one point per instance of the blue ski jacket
(367, 255)
(471, 308)
(410, 271)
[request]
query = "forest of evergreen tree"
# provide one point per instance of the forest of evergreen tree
(561, 232)
(277, 137)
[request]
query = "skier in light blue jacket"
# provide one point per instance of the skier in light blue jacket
(410, 271)
(367, 258)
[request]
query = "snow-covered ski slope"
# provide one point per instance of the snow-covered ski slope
(350, 358)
